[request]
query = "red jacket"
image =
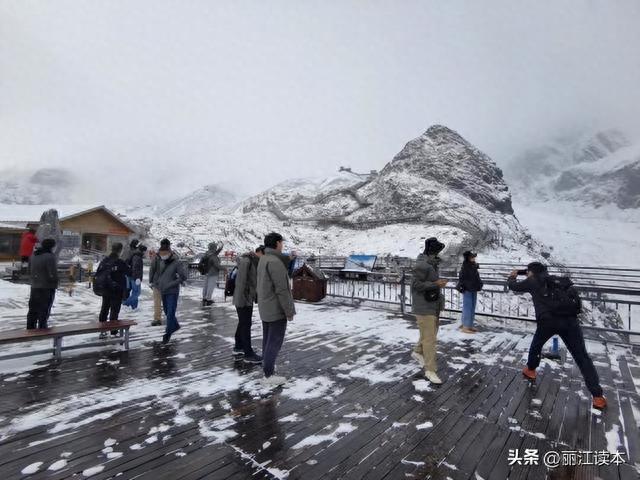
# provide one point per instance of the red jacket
(27, 242)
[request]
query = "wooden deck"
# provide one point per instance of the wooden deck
(176, 412)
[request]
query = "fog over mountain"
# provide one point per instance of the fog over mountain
(147, 102)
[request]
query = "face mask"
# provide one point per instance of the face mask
(164, 257)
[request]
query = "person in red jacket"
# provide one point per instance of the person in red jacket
(27, 242)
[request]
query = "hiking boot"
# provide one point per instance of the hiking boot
(600, 403)
(467, 330)
(418, 358)
(166, 338)
(156, 323)
(529, 373)
(204, 303)
(432, 377)
(238, 351)
(273, 381)
(253, 359)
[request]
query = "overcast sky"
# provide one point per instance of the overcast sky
(171, 95)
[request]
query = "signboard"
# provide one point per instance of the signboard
(69, 244)
(360, 263)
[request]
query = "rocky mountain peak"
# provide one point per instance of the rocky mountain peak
(443, 156)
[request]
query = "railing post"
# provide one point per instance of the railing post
(403, 292)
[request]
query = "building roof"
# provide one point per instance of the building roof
(14, 215)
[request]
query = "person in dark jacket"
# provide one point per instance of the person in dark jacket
(213, 272)
(275, 304)
(244, 296)
(156, 261)
(168, 275)
(551, 322)
(27, 243)
(112, 297)
(469, 284)
(427, 303)
(137, 269)
(44, 281)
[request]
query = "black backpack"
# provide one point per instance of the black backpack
(230, 284)
(102, 281)
(203, 265)
(562, 297)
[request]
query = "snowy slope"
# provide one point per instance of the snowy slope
(593, 169)
(48, 185)
(203, 200)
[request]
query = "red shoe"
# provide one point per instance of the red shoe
(530, 374)
(600, 403)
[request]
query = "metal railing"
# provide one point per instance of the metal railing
(618, 311)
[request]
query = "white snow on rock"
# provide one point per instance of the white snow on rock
(59, 465)
(89, 472)
(307, 388)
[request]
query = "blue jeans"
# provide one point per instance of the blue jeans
(132, 301)
(170, 305)
(469, 300)
(272, 339)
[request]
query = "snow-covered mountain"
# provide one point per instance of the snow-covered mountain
(594, 169)
(44, 186)
(438, 185)
(204, 200)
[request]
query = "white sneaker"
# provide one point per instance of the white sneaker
(432, 377)
(418, 358)
(273, 381)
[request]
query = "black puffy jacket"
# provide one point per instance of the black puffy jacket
(537, 287)
(469, 279)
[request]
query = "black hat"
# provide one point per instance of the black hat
(537, 268)
(469, 254)
(260, 248)
(134, 243)
(165, 242)
(432, 246)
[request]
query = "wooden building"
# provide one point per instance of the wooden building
(309, 284)
(96, 227)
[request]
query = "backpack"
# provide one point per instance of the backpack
(203, 265)
(102, 281)
(230, 284)
(562, 297)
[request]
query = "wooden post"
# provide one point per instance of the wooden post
(403, 292)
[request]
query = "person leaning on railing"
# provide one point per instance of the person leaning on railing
(557, 307)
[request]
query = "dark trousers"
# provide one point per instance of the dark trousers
(243, 331)
(272, 338)
(40, 302)
(571, 334)
(111, 303)
(170, 305)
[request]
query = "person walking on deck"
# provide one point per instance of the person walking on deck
(469, 284)
(157, 295)
(167, 278)
(428, 302)
(43, 269)
(557, 306)
(244, 296)
(275, 304)
(210, 267)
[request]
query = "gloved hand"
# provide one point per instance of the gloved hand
(138, 282)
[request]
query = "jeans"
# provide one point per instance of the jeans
(243, 332)
(210, 282)
(272, 339)
(132, 301)
(40, 303)
(426, 346)
(571, 334)
(111, 303)
(170, 305)
(469, 300)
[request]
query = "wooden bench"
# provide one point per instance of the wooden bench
(58, 333)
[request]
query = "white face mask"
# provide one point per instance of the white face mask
(164, 257)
